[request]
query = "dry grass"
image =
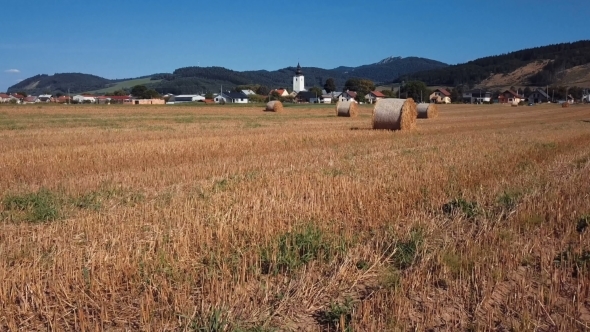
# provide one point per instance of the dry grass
(227, 218)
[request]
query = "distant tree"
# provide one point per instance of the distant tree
(361, 86)
(275, 95)
(256, 98)
(527, 91)
(151, 94)
(416, 90)
(262, 90)
(209, 95)
(22, 93)
(138, 91)
(59, 94)
(388, 93)
(456, 94)
(316, 90)
(120, 92)
(330, 85)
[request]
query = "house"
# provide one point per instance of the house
(349, 95)
(307, 97)
(45, 98)
(477, 96)
(180, 99)
(440, 96)
(373, 96)
(538, 96)
(510, 97)
(281, 92)
(84, 99)
(237, 97)
(327, 97)
(231, 97)
(19, 98)
(30, 100)
(586, 98)
(570, 99)
(4, 98)
(102, 100)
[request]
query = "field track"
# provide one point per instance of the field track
(220, 218)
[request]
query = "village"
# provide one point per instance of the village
(299, 94)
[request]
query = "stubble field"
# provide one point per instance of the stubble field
(158, 218)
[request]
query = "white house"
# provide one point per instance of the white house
(231, 97)
(586, 98)
(348, 95)
(4, 98)
(84, 99)
(510, 97)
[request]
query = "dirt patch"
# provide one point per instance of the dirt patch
(517, 77)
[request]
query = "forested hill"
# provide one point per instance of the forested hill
(562, 57)
(203, 79)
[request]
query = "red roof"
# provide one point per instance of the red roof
(514, 94)
(378, 94)
(3, 95)
(351, 93)
(119, 97)
(16, 95)
(30, 98)
(443, 91)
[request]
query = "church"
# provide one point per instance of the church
(298, 80)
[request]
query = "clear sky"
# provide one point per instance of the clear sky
(130, 38)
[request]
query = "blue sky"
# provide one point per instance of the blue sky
(121, 39)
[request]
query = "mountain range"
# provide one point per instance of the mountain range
(202, 79)
(566, 64)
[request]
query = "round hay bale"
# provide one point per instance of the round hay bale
(395, 114)
(274, 106)
(427, 111)
(347, 108)
(565, 105)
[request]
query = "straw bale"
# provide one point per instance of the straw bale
(565, 105)
(347, 108)
(427, 111)
(274, 106)
(395, 114)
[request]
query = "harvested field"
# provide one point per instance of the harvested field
(213, 218)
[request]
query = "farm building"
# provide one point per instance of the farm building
(145, 101)
(180, 99)
(45, 98)
(440, 96)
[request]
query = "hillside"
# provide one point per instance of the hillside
(537, 66)
(202, 79)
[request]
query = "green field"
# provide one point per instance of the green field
(125, 85)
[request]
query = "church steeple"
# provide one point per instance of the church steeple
(298, 79)
(298, 71)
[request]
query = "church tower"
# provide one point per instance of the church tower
(298, 80)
